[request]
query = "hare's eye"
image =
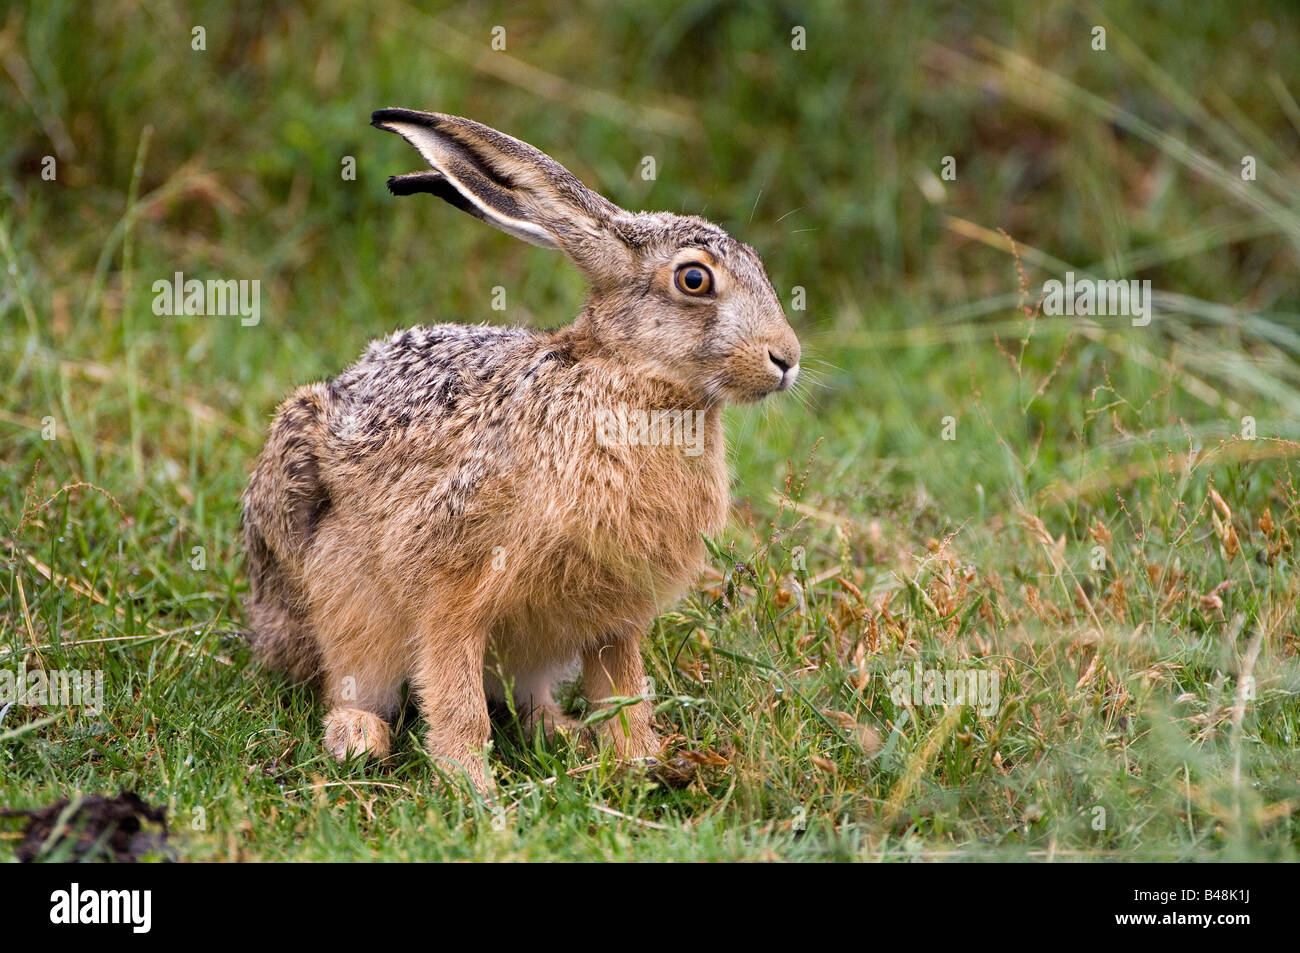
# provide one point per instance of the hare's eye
(694, 279)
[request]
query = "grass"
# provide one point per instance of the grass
(1099, 532)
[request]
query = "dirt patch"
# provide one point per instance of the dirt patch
(124, 829)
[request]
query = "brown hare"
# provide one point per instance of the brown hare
(477, 509)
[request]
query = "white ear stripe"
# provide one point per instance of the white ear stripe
(430, 146)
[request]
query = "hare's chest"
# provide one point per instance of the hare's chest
(614, 526)
(647, 526)
(617, 553)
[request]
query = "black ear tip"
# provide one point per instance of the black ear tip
(412, 182)
(381, 117)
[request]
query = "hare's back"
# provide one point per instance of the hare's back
(426, 375)
(418, 417)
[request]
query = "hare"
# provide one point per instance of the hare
(476, 510)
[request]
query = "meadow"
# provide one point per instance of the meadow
(1093, 517)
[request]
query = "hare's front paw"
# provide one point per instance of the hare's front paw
(353, 731)
(632, 738)
(459, 762)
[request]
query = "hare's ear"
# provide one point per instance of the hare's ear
(509, 184)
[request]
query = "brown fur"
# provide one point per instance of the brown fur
(442, 512)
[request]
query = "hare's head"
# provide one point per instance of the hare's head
(673, 295)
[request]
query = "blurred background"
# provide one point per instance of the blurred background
(911, 172)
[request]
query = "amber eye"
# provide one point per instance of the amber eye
(694, 279)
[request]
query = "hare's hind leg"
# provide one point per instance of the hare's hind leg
(363, 697)
(350, 732)
(365, 662)
(283, 507)
(281, 636)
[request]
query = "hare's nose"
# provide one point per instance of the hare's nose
(789, 369)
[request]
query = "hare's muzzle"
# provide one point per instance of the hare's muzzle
(787, 368)
(782, 354)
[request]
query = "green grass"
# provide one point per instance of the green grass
(862, 541)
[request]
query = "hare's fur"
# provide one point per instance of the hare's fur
(442, 513)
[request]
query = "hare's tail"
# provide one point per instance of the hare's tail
(283, 506)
